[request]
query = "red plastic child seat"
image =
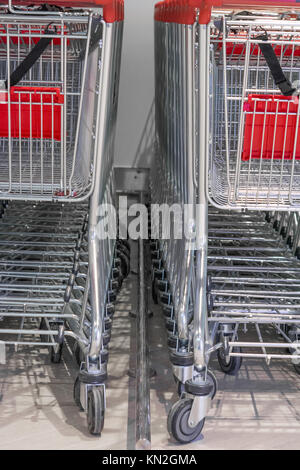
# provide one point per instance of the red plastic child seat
(236, 49)
(271, 136)
(34, 112)
(25, 38)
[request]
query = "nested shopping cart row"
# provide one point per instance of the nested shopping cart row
(227, 154)
(253, 279)
(59, 73)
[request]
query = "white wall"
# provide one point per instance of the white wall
(137, 78)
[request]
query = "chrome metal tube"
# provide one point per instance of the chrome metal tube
(143, 424)
(95, 251)
(200, 313)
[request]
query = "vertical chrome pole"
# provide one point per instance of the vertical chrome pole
(95, 251)
(185, 288)
(200, 313)
(143, 423)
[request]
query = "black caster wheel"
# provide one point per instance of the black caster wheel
(115, 285)
(231, 366)
(154, 293)
(171, 326)
(95, 410)
(211, 379)
(111, 297)
(178, 425)
(126, 244)
(172, 342)
(106, 338)
(56, 356)
(76, 393)
(123, 249)
(110, 310)
(118, 276)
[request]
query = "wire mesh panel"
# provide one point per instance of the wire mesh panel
(58, 276)
(254, 150)
(49, 107)
(227, 130)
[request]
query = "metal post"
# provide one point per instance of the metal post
(200, 315)
(143, 433)
(96, 252)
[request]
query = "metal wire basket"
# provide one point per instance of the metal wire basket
(48, 125)
(254, 151)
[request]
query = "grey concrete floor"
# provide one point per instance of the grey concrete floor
(258, 409)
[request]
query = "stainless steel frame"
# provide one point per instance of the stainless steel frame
(240, 270)
(57, 276)
(57, 167)
(238, 70)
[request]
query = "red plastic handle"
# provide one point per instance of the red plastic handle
(184, 11)
(113, 10)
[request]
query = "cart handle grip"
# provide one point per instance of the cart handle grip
(113, 10)
(188, 11)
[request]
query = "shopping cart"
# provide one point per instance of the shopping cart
(227, 120)
(59, 68)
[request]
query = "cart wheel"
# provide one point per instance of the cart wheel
(178, 425)
(123, 249)
(126, 244)
(211, 378)
(231, 366)
(56, 356)
(76, 394)
(95, 410)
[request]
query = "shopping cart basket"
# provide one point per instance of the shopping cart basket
(254, 154)
(227, 120)
(49, 101)
(59, 67)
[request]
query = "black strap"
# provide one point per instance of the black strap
(30, 60)
(280, 79)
